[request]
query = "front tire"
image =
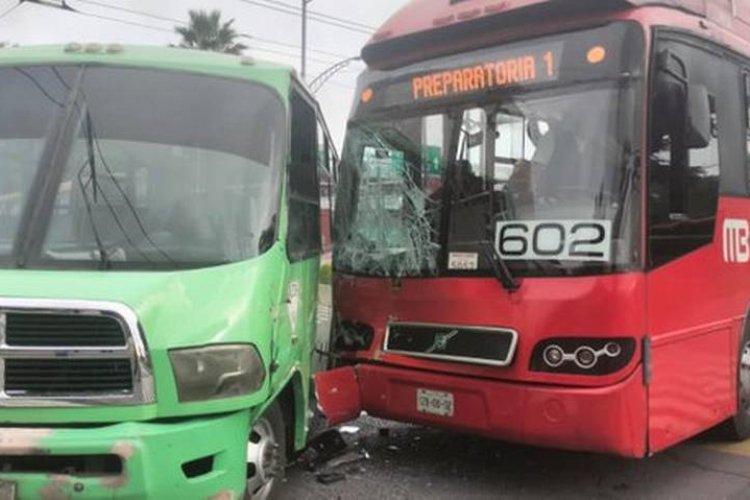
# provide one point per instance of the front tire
(266, 454)
(740, 424)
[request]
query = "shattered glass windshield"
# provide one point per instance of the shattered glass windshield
(542, 177)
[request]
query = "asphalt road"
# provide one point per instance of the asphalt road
(411, 462)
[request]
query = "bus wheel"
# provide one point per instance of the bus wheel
(266, 454)
(741, 421)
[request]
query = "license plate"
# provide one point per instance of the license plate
(435, 402)
(7, 490)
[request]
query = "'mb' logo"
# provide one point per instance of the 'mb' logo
(736, 241)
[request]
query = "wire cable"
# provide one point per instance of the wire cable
(11, 9)
(183, 23)
(290, 10)
(313, 13)
(122, 21)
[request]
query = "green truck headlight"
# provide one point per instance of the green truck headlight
(215, 372)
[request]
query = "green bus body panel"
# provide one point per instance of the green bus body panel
(266, 301)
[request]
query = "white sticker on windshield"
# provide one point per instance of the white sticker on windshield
(460, 261)
(577, 240)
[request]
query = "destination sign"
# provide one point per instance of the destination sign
(605, 52)
(503, 70)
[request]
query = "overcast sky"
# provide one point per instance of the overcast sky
(278, 34)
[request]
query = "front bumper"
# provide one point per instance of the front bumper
(152, 457)
(609, 419)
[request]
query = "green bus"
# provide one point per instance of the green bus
(159, 258)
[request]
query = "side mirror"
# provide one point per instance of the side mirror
(698, 133)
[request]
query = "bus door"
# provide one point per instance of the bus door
(692, 306)
(295, 332)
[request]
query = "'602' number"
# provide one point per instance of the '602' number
(555, 240)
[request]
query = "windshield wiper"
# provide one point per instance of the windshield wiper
(499, 267)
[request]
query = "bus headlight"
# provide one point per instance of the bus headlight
(583, 356)
(215, 372)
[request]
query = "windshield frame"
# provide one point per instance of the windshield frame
(38, 210)
(630, 89)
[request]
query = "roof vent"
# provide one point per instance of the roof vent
(73, 47)
(92, 48)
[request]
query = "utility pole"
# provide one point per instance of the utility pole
(304, 38)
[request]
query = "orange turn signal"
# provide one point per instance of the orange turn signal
(597, 54)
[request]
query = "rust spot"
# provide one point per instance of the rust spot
(115, 482)
(382, 35)
(224, 495)
(53, 492)
(443, 21)
(124, 449)
(494, 9)
(55, 489)
(19, 441)
(469, 14)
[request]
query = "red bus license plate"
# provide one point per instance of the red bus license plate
(435, 402)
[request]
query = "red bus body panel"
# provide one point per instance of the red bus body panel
(427, 15)
(696, 311)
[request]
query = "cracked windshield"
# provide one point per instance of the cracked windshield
(92, 175)
(538, 177)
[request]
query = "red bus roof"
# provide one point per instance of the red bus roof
(420, 18)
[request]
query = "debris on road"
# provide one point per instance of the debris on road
(330, 477)
(347, 458)
(349, 429)
(327, 445)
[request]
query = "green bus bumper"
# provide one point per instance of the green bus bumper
(198, 458)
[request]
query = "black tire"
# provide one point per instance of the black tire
(265, 476)
(739, 426)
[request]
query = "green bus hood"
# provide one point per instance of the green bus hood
(227, 304)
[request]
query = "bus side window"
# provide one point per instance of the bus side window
(326, 156)
(303, 240)
(684, 151)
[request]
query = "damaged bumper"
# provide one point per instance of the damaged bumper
(188, 459)
(608, 419)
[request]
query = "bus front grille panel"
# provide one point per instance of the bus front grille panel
(58, 353)
(63, 330)
(56, 377)
(462, 344)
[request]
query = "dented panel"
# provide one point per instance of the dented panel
(337, 392)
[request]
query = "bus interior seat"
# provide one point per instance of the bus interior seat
(558, 157)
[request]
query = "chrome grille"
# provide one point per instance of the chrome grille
(50, 377)
(63, 330)
(62, 353)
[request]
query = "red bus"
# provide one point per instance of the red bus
(542, 231)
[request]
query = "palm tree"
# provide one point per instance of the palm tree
(206, 32)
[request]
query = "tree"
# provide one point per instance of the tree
(206, 32)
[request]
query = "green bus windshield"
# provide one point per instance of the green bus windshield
(115, 167)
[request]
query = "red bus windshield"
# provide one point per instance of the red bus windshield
(526, 153)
